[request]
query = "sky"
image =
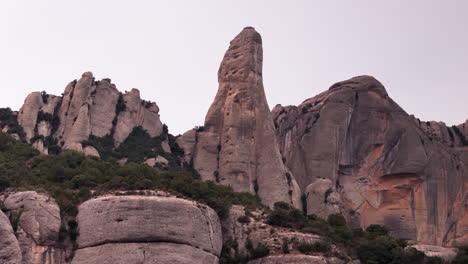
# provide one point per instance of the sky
(171, 50)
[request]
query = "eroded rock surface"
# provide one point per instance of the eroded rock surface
(10, 252)
(322, 198)
(385, 167)
(169, 229)
(38, 227)
(88, 108)
(144, 253)
(237, 145)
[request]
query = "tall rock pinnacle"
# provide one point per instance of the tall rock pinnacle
(237, 146)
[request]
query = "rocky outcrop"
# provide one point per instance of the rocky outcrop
(322, 198)
(385, 167)
(38, 223)
(447, 254)
(10, 252)
(237, 145)
(137, 113)
(88, 108)
(257, 231)
(170, 230)
(144, 253)
(32, 112)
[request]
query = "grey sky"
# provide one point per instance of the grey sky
(171, 50)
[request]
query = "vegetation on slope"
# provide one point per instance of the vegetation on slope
(70, 176)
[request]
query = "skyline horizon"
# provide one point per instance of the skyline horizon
(172, 51)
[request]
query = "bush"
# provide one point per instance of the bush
(244, 219)
(336, 220)
(307, 248)
(259, 252)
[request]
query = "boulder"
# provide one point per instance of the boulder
(144, 253)
(10, 252)
(237, 146)
(38, 226)
(148, 219)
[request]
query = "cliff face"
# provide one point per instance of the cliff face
(87, 108)
(237, 145)
(382, 166)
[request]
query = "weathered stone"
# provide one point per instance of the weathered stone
(39, 145)
(165, 146)
(187, 142)
(322, 198)
(386, 169)
(258, 231)
(38, 226)
(237, 146)
(447, 254)
(91, 151)
(27, 116)
(137, 113)
(143, 253)
(10, 252)
(148, 219)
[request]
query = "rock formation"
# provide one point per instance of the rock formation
(171, 230)
(237, 145)
(385, 167)
(38, 224)
(87, 108)
(10, 252)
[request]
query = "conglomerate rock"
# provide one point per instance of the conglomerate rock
(10, 252)
(38, 227)
(237, 145)
(385, 167)
(170, 230)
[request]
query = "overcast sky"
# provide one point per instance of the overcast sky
(171, 50)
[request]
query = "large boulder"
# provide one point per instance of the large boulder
(38, 225)
(237, 145)
(173, 229)
(384, 165)
(144, 253)
(10, 252)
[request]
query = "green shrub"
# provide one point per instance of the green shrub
(259, 252)
(285, 246)
(308, 248)
(244, 219)
(336, 220)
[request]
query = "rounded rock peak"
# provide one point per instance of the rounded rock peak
(247, 33)
(363, 82)
(87, 74)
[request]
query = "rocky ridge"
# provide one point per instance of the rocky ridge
(87, 108)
